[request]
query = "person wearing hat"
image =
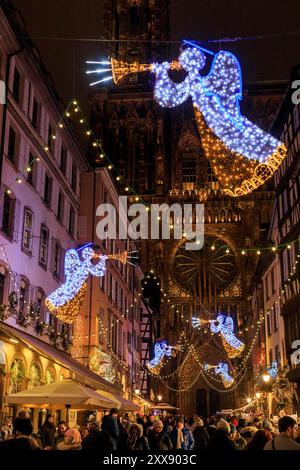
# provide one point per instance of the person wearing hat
(248, 433)
(158, 440)
(239, 442)
(200, 434)
(221, 438)
(135, 439)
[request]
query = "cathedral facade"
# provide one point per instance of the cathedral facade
(159, 153)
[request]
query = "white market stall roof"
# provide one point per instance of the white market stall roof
(60, 394)
(121, 403)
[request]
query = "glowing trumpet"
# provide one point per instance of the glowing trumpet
(120, 69)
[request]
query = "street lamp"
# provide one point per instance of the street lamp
(159, 397)
(248, 400)
(266, 377)
(258, 395)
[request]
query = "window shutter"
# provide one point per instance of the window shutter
(62, 265)
(16, 221)
(1, 204)
(52, 254)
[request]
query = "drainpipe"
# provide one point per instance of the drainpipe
(91, 283)
(9, 57)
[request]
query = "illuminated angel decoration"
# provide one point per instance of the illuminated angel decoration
(225, 326)
(65, 302)
(242, 155)
(222, 370)
(161, 350)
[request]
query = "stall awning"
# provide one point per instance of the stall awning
(164, 406)
(121, 403)
(60, 394)
(82, 373)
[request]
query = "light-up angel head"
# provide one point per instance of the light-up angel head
(192, 59)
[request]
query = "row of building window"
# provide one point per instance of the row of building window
(10, 214)
(12, 155)
(33, 109)
(57, 255)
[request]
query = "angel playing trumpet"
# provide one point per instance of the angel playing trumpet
(225, 327)
(65, 302)
(222, 369)
(242, 155)
(161, 350)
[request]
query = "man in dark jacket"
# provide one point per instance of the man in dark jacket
(110, 426)
(47, 432)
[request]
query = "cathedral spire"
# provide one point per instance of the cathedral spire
(134, 26)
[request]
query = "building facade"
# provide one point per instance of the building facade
(40, 164)
(287, 181)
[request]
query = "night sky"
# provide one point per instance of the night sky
(261, 59)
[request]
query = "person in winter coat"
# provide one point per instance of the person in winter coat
(158, 440)
(47, 433)
(110, 426)
(200, 435)
(261, 437)
(182, 437)
(221, 440)
(72, 440)
(96, 439)
(239, 442)
(135, 438)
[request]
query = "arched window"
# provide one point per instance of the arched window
(16, 376)
(34, 375)
(50, 376)
(189, 171)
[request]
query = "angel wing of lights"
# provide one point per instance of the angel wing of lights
(100, 71)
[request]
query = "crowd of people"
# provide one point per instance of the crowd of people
(152, 433)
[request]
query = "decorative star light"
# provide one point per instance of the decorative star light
(242, 155)
(222, 369)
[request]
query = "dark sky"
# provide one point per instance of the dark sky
(263, 59)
